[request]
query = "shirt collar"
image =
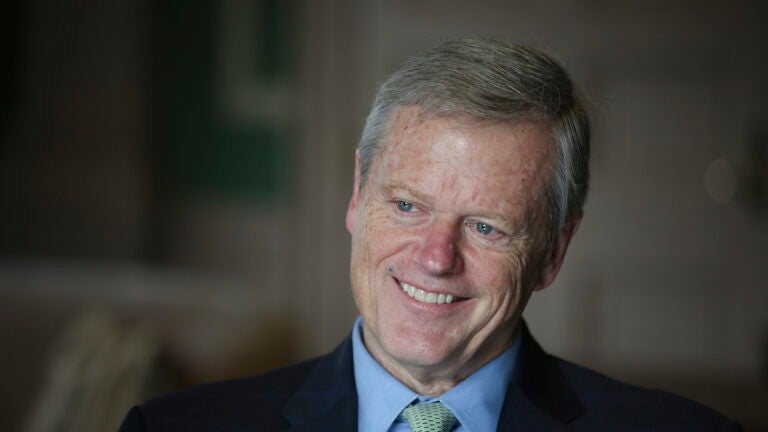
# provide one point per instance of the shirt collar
(476, 402)
(380, 397)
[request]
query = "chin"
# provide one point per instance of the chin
(418, 351)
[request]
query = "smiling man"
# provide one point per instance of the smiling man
(449, 239)
(469, 183)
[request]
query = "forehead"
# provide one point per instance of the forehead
(504, 151)
(468, 164)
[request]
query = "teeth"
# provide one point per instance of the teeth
(426, 297)
(420, 295)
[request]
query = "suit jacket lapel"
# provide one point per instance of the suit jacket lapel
(328, 399)
(540, 398)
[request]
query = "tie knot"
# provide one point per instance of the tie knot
(429, 417)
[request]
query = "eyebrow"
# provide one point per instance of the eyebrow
(391, 187)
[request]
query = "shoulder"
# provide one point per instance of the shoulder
(221, 405)
(611, 404)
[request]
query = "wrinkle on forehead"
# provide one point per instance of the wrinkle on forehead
(532, 164)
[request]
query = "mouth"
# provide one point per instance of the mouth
(427, 296)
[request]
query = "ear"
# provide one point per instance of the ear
(554, 257)
(355, 200)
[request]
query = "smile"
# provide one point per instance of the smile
(424, 296)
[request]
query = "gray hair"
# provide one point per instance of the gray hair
(497, 81)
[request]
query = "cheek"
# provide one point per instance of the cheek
(501, 276)
(380, 234)
(372, 243)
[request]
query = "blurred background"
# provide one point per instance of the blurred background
(174, 177)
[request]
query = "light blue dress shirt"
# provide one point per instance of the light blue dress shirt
(476, 402)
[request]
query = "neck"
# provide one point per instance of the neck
(437, 379)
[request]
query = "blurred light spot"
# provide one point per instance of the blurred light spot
(720, 181)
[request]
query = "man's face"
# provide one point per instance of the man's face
(447, 240)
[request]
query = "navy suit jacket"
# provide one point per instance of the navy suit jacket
(549, 394)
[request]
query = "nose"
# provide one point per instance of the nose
(438, 252)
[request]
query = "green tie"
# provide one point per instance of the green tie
(429, 417)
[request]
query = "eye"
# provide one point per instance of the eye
(484, 228)
(404, 206)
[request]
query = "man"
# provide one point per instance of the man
(469, 183)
